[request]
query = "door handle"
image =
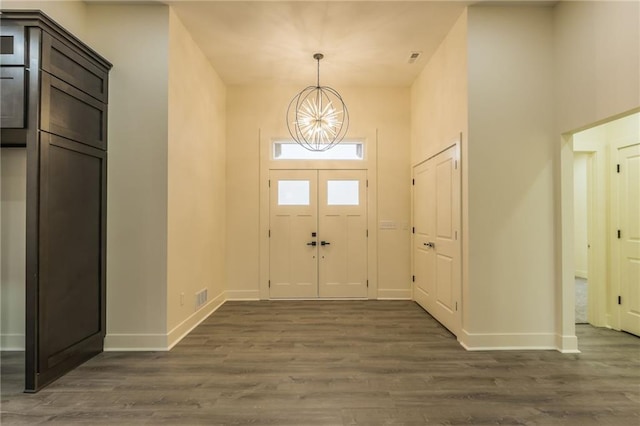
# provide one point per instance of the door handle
(324, 243)
(429, 245)
(312, 243)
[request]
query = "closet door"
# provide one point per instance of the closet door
(436, 238)
(66, 303)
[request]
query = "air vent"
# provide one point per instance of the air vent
(414, 57)
(201, 298)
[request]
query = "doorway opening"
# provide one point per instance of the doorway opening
(605, 226)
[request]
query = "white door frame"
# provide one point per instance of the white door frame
(597, 232)
(369, 163)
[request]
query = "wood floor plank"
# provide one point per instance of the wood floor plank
(336, 363)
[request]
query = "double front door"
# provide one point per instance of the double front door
(318, 234)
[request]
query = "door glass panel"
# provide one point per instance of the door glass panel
(343, 192)
(293, 192)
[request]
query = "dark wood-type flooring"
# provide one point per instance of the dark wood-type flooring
(337, 363)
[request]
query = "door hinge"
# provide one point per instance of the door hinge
(455, 164)
(619, 234)
(456, 232)
(367, 183)
(413, 181)
(269, 183)
(413, 278)
(269, 283)
(413, 229)
(367, 283)
(269, 233)
(456, 306)
(617, 168)
(367, 233)
(619, 300)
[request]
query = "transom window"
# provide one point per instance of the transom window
(346, 150)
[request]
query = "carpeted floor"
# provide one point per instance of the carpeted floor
(581, 300)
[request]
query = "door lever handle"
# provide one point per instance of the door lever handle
(312, 243)
(324, 243)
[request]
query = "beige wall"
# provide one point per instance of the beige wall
(261, 110)
(439, 97)
(71, 14)
(511, 266)
(196, 181)
(135, 38)
(13, 193)
(597, 52)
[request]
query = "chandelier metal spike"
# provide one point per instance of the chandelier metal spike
(317, 117)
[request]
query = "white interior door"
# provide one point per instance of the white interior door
(293, 251)
(436, 245)
(342, 233)
(424, 235)
(318, 234)
(629, 216)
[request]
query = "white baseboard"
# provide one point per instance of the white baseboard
(185, 327)
(161, 342)
(11, 342)
(135, 342)
(393, 294)
(236, 295)
(567, 344)
(507, 341)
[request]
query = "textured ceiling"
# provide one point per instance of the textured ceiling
(365, 43)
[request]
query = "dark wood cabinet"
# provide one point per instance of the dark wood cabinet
(54, 103)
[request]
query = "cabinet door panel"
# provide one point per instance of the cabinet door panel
(70, 324)
(68, 65)
(12, 101)
(70, 113)
(12, 43)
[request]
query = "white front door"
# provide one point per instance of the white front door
(318, 234)
(436, 243)
(293, 224)
(629, 224)
(342, 233)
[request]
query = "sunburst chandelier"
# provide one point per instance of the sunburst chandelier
(317, 117)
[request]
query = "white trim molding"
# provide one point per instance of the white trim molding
(394, 294)
(239, 295)
(160, 341)
(507, 341)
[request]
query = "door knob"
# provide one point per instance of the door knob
(312, 243)
(324, 243)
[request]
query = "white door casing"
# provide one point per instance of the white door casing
(318, 234)
(629, 237)
(436, 239)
